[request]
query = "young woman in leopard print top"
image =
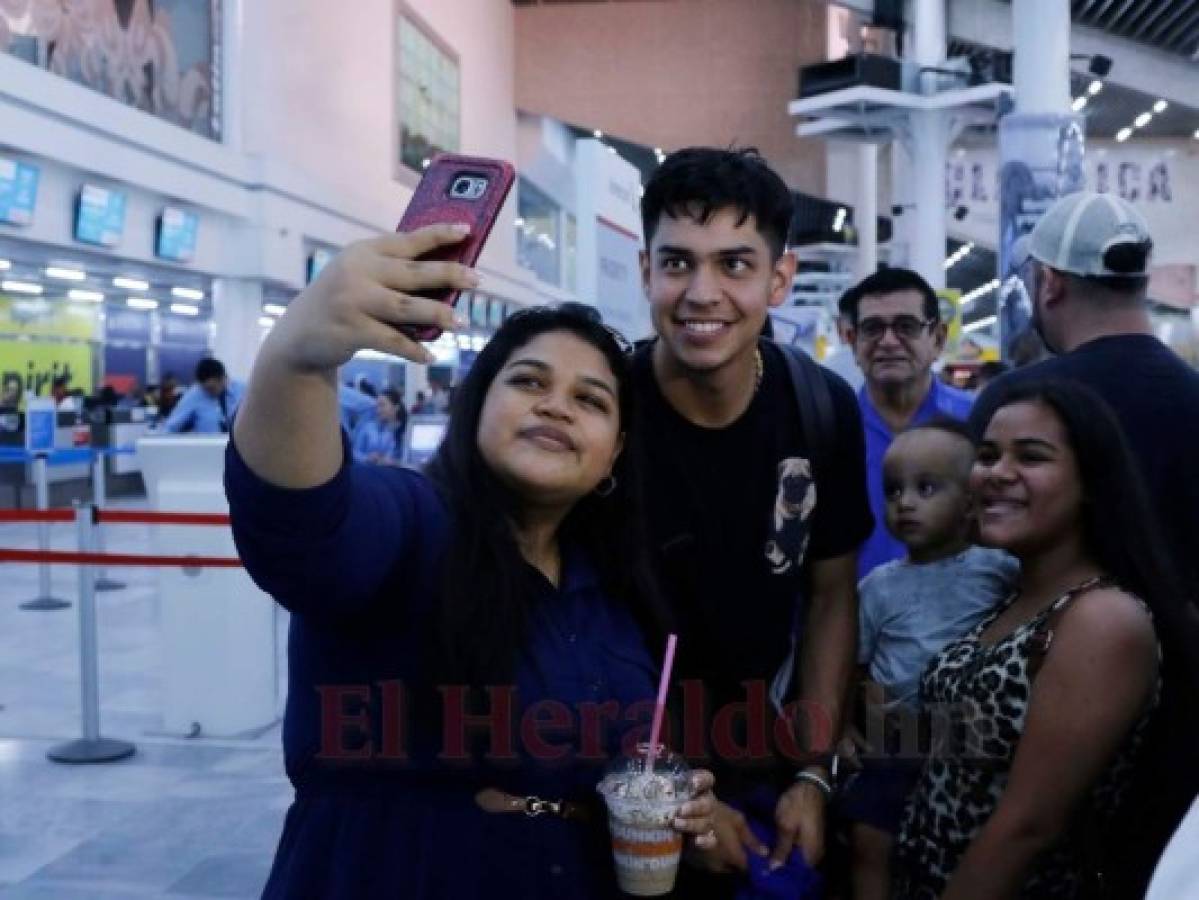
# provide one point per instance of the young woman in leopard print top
(1047, 700)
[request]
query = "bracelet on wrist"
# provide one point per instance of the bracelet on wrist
(812, 778)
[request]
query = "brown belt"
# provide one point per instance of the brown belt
(493, 800)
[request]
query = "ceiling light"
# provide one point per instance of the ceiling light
(981, 323)
(1125, 133)
(1142, 120)
(266, 321)
(141, 303)
(1079, 103)
(5, 265)
(131, 284)
(1160, 106)
(273, 309)
(185, 309)
(598, 135)
(89, 296)
(21, 287)
(658, 151)
(1094, 87)
(187, 293)
(64, 274)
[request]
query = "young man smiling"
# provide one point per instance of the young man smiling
(755, 545)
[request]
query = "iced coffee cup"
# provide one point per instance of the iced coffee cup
(642, 804)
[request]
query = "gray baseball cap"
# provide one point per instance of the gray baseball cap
(1080, 228)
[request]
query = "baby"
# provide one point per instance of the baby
(909, 610)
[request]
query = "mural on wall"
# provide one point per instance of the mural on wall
(159, 56)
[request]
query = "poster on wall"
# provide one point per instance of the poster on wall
(158, 56)
(33, 365)
(1041, 159)
(18, 191)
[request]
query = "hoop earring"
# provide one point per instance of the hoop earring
(606, 486)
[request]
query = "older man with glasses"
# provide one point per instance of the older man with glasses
(896, 332)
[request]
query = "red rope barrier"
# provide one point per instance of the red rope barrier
(139, 517)
(68, 558)
(36, 515)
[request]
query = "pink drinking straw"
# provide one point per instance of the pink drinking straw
(660, 707)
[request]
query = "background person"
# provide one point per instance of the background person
(1087, 272)
(897, 333)
(207, 407)
(378, 439)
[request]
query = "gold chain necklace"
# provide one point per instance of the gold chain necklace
(759, 368)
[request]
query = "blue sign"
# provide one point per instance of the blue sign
(101, 218)
(18, 192)
(177, 230)
(40, 421)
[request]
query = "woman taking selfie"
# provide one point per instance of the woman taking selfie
(1051, 695)
(513, 565)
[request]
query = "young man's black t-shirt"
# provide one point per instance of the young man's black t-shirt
(735, 520)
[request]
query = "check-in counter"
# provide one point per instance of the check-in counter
(218, 628)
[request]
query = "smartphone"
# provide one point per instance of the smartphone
(469, 189)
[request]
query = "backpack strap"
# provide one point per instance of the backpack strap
(814, 401)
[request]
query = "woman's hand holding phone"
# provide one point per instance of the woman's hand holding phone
(366, 294)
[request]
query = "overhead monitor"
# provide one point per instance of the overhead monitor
(100, 216)
(177, 232)
(18, 191)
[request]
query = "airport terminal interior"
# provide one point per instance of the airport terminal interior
(176, 174)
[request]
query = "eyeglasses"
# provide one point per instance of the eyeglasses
(906, 328)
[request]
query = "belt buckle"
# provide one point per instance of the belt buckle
(535, 806)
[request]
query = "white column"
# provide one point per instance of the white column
(930, 138)
(237, 306)
(866, 210)
(232, 73)
(928, 148)
(1041, 63)
(928, 31)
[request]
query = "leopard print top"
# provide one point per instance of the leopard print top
(986, 690)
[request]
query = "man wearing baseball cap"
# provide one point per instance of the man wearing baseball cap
(1086, 268)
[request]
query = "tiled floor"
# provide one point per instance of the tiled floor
(180, 819)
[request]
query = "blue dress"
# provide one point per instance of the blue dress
(384, 804)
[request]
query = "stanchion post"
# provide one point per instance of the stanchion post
(41, 484)
(91, 748)
(100, 501)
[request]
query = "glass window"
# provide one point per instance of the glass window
(159, 57)
(537, 232)
(427, 95)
